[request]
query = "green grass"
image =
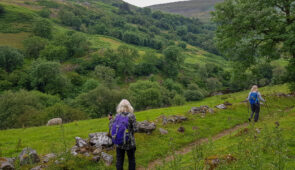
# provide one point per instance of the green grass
(149, 147)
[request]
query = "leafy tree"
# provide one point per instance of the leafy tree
(2, 10)
(42, 28)
(124, 8)
(126, 64)
(279, 75)
(213, 84)
(10, 58)
(54, 53)
(46, 77)
(252, 29)
(149, 65)
(104, 73)
(89, 85)
(45, 13)
(194, 93)
(69, 18)
(34, 45)
(132, 38)
(173, 60)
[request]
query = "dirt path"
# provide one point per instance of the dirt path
(189, 147)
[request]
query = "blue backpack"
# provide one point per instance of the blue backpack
(253, 98)
(120, 134)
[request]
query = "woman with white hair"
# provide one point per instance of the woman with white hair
(122, 128)
(254, 97)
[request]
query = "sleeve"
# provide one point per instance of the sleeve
(133, 123)
(248, 96)
(260, 97)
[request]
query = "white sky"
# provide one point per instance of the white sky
(144, 3)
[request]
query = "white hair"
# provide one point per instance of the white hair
(254, 88)
(124, 106)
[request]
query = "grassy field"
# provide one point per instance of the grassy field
(272, 148)
(149, 147)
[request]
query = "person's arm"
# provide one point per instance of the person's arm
(260, 97)
(133, 123)
(248, 96)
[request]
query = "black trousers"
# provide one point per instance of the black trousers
(120, 158)
(255, 108)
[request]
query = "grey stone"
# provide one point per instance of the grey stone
(87, 154)
(6, 164)
(74, 150)
(80, 142)
(163, 131)
(46, 158)
(39, 167)
(201, 109)
(108, 159)
(96, 158)
(55, 121)
(28, 156)
(146, 127)
(181, 129)
(100, 139)
(97, 151)
(164, 120)
(227, 103)
(221, 106)
(210, 110)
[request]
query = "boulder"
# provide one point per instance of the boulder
(54, 121)
(201, 109)
(227, 103)
(100, 139)
(181, 129)
(28, 156)
(221, 106)
(176, 119)
(163, 131)
(108, 159)
(164, 120)
(210, 110)
(146, 127)
(6, 164)
(96, 158)
(97, 151)
(74, 150)
(46, 158)
(39, 167)
(80, 142)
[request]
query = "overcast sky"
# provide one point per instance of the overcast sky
(144, 3)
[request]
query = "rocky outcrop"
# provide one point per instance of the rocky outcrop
(173, 119)
(146, 127)
(227, 103)
(55, 121)
(181, 129)
(80, 142)
(201, 110)
(6, 163)
(163, 131)
(28, 156)
(46, 158)
(108, 159)
(100, 139)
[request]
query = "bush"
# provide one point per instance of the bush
(23, 108)
(173, 60)
(213, 84)
(45, 13)
(2, 10)
(99, 102)
(10, 58)
(75, 78)
(178, 100)
(34, 45)
(54, 53)
(182, 45)
(173, 86)
(5, 85)
(279, 75)
(145, 94)
(90, 85)
(20, 79)
(106, 74)
(194, 93)
(42, 28)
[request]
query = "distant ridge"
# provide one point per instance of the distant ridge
(193, 8)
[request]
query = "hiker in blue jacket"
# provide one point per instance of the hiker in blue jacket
(254, 97)
(122, 128)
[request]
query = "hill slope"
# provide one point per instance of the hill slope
(193, 8)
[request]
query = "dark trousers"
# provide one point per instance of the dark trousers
(120, 158)
(255, 108)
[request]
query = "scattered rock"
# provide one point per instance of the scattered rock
(221, 106)
(55, 121)
(163, 131)
(210, 110)
(164, 120)
(46, 158)
(6, 164)
(146, 127)
(86, 154)
(97, 151)
(80, 142)
(227, 103)
(28, 156)
(216, 94)
(173, 119)
(257, 130)
(181, 129)
(96, 158)
(201, 109)
(100, 139)
(82, 150)
(74, 150)
(108, 159)
(39, 167)
(229, 158)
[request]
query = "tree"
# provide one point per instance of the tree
(2, 10)
(105, 74)
(46, 77)
(248, 30)
(34, 45)
(54, 53)
(45, 13)
(10, 58)
(173, 60)
(42, 28)
(126, 64)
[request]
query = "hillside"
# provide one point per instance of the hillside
(193, 8)
(58, 138)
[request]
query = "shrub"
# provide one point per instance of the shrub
(42, 28)
(182, 45)
(5, 85)
(177, 100)
(89, 85)
(75, 78)
(213, 84)
(194, 93)
(10, 58)
(145, 94)
(34, 45)
(45, 13)
(106, 74)
(54, 53)
(173, 60)
(23, 108)
(99, 102)
(2, 10)
(279, 75)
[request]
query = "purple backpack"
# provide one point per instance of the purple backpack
(120, 133)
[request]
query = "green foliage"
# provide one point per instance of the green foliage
(75, 78)
(33, 46)
(291, 74)
(68, 18)
(145, 94)
(106, 74)
(213, 84)
(150, 65)
(20, 79)
(98, 102)
(45, 13)
(42, 28)
(194, 93)
(278, 75)
(182, 45)
(46, 77)
(10, 58)
(2, 10)
(5, 85)
(89, 85)
(177, 100)
(173, 60)
(54, 53)
(23, 108)
(126, 63)
(48, 3)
